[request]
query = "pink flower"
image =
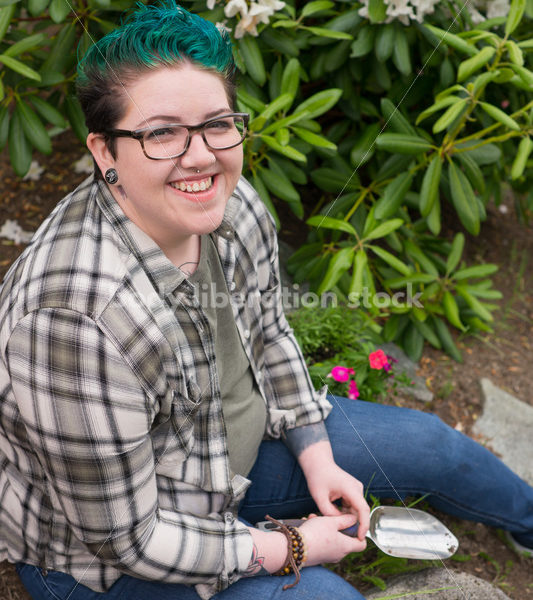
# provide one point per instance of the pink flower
(378, 360)
(341, 373)
(353, 392)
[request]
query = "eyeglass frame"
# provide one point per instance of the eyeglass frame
(138, 134)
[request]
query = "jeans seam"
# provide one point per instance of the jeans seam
(43, 579)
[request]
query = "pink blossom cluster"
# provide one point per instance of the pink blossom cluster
(343, 374)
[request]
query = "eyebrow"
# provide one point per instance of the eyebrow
(174, 119)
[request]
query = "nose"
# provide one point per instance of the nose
(198, 154)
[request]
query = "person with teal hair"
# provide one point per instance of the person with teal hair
(154, 403)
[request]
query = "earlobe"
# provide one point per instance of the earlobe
(101, 154)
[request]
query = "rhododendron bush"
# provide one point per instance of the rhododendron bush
(373, 121)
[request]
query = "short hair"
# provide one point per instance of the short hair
(155, 36)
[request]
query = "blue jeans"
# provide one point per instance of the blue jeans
(395, 452)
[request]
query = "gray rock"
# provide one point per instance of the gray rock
(419, 391)
(506, 424)
(422, 586)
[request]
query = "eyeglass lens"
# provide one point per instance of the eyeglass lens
(170, 140)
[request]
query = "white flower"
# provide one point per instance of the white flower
(235, 6)
(34, 173)
(211, 4)
(14, 232)
(275, 5)
(85, 164)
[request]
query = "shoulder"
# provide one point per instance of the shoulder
(72, 262)
(252, 215)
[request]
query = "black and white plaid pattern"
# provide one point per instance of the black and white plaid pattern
(112, 446)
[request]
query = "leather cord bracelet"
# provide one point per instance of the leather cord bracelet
(296, 554)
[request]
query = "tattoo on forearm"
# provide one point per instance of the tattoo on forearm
(299, 438)
(256, 566)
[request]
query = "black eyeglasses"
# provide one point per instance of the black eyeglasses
(171, 140)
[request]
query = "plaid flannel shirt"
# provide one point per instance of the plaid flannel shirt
(112, 446)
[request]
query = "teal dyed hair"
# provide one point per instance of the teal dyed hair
(160, 35)
(155, 36)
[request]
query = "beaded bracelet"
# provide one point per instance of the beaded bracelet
(296, 553)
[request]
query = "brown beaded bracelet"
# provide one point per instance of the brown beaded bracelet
(296, 553)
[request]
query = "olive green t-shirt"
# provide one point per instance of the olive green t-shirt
(243, 406)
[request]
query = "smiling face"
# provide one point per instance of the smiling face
(172, 200)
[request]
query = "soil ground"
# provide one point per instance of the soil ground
(504, 356)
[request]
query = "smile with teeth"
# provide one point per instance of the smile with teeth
(197, 186)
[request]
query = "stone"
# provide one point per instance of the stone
(438, 584)
(506, 424)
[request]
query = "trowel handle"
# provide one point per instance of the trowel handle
(269, 526)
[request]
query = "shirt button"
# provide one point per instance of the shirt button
(246, 333)
(259, 376)
(232, 286)
(229, 518)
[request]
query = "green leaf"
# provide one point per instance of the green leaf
(48, 112)
(429, 192)
(364, 42)
(451, 310)
(525, 74)
(393, 196)
(377, 11)
(452, 40)
(471, 65)
(403, 144)
(321, 221)
(481, 81)
(391, 260)
(515, 16)
(456, 252)
(6, 13)
(314, 139)
(384, 229)
(279, 185)
(360, 261)
(37, 7)
(251, 101)
(25, 44)
(449, 116)
(319, 103)
(262, 191)
(61, 51)
(328, 33)
(446, 339)
(384, 42)
(519, 164)
(4, 126)
(498, 115)
(33, 128)
(290, 79)
(59, 9)
(463, 199)
(475, 272)
(481, 311)
(400, 53)
(285, 122)
(395, 119)
(19, 67)
(280, 103)
(433, 219)
(19, 146)
(424, 261)
(363, 149)
(428, 333)
(316, 6)
(515, 53)
(253, 59)
(439, 105)
(413, 342)
(331, 180)
(472, 170)
(280, 42)
(287, 151)
(76, 118)
(484, 155)
(338, 265)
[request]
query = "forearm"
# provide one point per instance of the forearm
(269, 552)
(309, 444)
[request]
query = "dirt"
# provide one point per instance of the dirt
(504, 356)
